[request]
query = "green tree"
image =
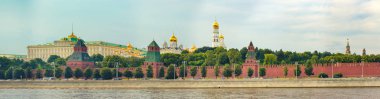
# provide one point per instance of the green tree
(270, 59)
(149, 72)
(182, 71)
(250, 72)
(119, 74)
(227, 72)
(9, 73)
(309, 68)
(243, 53)
(238, 70)
(49, 73)
(222, 58)
(210, 58)
(193, 71)
(170, 58)
(78, 73)
(297, 71)
(139, 73)
(128, 74)
(19, 73)
(216, 71)
(106, 73)
(285, 71)
(68, 72)
(52, 58)
(204, 71)
(234, 56)
(314, 59)
(97, 57)
(110, 61)
(39, 74)
(88, 73)
(60, 61)
(58, 72)
(323, 75)
(2, 74)
(97, 74)
(29, 73)
(170, 73)
(262, 72)
(161, 73)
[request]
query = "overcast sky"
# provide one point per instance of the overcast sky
(295, 25)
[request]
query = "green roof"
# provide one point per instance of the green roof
(154, 44)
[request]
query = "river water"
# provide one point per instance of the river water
(223, 93)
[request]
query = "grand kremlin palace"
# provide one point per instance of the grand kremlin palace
(64, 48)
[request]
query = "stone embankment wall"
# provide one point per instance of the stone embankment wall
(247, 83)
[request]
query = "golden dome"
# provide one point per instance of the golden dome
(215, 25)
(72, 35)
(173, 38)
(193, 47)
(129, 45)
(221, 36)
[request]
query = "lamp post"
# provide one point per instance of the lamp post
(332, 68)
(184, 69)
(258, 68)
(362, 69)
(53, 64)
(296, 73)
(117, 70)
(174, 72)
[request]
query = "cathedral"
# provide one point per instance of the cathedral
(217, 38)
(172, 47)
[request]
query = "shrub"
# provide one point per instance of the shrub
(250, 72)
(128, 74)
(88, 73)
(338, 75)
(106, 73)
(323, 75)
(68, 72)
(78, 73)
(96, 74)
(139, 73)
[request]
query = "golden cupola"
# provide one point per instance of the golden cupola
(72, 35)
(221, 36)
(215, 25)
(173, 38)
(129, 46)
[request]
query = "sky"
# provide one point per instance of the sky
(293, 25)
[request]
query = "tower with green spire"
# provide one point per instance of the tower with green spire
(251, 62)
(153, 58)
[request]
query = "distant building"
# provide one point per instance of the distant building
(348, 50)
(153, 58)
(64, 48)
(80, 58)
(217, 38)
(13, 56)
(192, 49)
(173, 47)
(364, 52)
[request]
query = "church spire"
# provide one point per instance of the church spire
(348, 50)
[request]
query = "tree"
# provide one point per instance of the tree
(149, 72)
(106, 73)
(323, 75)
(58, 72)
(49, 73)
(210, 58)
(9, 73)
(96, 74)
(262, 72)
(204, 71)
(110, 61)
(243, 53)
(234, 56)
(39, 74)
(338, 75)
(250, 72)
(60, 61)
(19, 73)
(285, 71)
(171, 74)
(29, 73)
(238, 70)
(119, 74)
(161, 73)
(270, 59)
(170, 58)
(222, 58)
(139, 73)
(297, 71)
(182, 71)
(193, 71)
(87, 73)
(128, 74)
(227, 72)
(309, 68)
(78, 73)
(52, 58)
(68, 72)
(216, 71)
(97, 58)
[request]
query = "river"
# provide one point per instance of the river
(224, 93)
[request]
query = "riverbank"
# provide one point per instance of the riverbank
(241, 83)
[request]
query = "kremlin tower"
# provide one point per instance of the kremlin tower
(80, 57)
(348, 51)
